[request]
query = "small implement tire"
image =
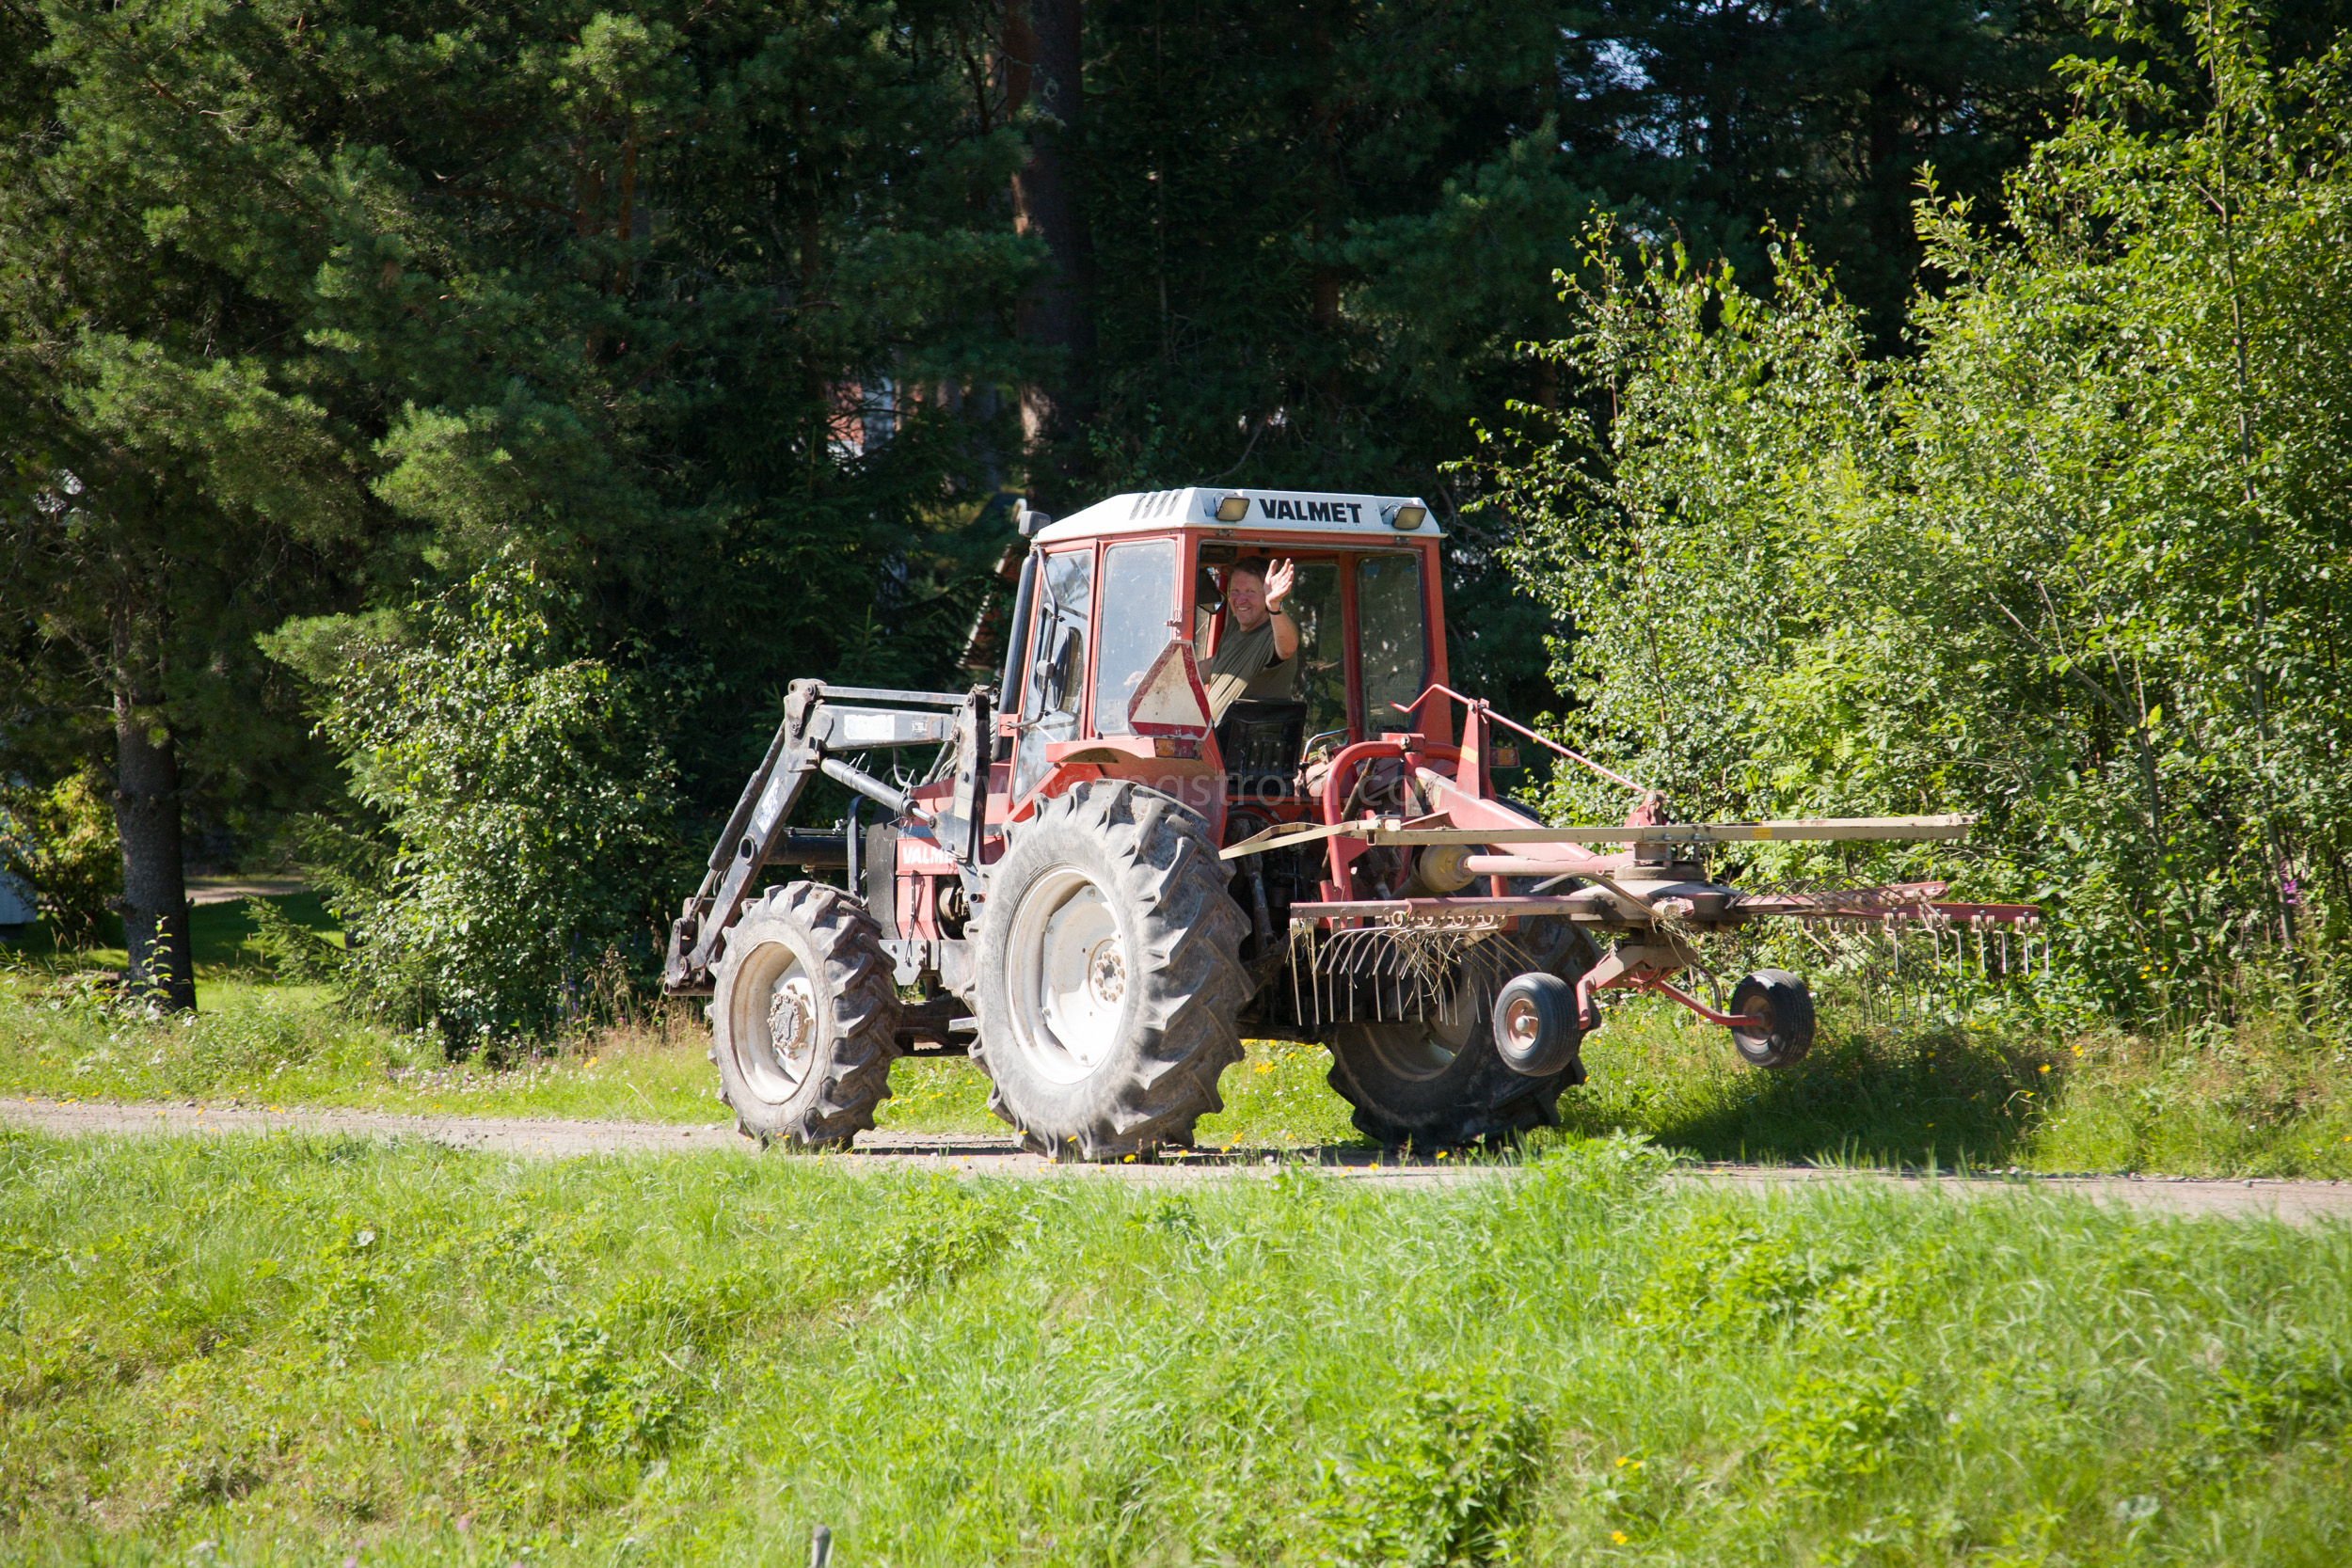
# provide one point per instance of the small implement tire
(803, 1018)
(1782, 1001)
(1110, 976)
(1535, 1025)
(1436, 1085)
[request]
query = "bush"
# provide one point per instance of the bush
(525, 802)
(2056, 570)
(295, 953)
(61, 841)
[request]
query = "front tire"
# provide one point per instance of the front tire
(1111, 974)
(803, 1018)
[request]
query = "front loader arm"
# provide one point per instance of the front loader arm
(812, 728)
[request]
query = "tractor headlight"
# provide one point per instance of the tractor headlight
(1232, 508)
(1407, 516)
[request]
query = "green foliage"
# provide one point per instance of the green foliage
(2284, 1393)
(265, 1343)
(1441, 1482)
(574, 1391)
(71, 1040)
(935, 1233)
(60, 841)
(527, 799)
(295, 953)
(1828, 1432)
(302, 303)
(1717, 1281)
(2062, 570)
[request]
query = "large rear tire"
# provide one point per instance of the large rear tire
(1442, 1083)
(1111, 974)
(803, 1018)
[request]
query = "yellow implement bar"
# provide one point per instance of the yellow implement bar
(1828, 829)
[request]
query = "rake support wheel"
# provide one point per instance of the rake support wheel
(1782, 1001)
(803, 1018)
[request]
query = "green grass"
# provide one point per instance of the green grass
(221, 935)
(300, 1349)
(2263, 1100)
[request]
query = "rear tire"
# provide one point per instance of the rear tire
(1111, 974)
(1783, 1002)
(803, 1018)
(1440, 1086)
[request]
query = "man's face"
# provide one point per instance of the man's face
(1245, 596)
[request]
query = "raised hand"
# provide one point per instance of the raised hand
(1279, 578)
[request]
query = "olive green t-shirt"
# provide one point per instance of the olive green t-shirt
(1247, 665)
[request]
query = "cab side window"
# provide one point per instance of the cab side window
(1314, 609)
(1394, 640)
(1057, 662)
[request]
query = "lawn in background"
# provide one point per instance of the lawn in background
(2263, 1100)
(304, 1349)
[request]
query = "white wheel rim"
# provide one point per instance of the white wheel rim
(775, 1022)
(1068, 978)
(1522, 1022)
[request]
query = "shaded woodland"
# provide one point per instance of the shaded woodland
(399, 391)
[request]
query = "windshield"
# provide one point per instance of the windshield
(1139, 600)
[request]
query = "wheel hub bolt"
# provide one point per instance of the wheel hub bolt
(1107, 975)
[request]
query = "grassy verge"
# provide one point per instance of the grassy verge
(2263, 1100)
(298, 1348)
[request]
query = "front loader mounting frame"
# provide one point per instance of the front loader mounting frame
(819, 732)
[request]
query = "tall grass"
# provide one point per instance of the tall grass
(301, 1349)
(2267, 1097)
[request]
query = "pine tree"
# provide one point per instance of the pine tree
(700, 307)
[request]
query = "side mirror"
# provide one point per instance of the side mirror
(1029, 522)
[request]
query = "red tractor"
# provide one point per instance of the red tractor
(1100, 885)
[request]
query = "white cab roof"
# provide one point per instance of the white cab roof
(1270, 510)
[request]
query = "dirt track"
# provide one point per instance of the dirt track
(2299, 1202)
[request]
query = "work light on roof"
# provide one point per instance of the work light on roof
(1404, 516)
(1232, 508)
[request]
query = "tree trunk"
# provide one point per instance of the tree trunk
(154, 881)
(1042, 51)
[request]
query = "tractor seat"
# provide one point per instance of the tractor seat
(1259, 743)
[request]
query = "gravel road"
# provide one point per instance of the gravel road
(2297, 1202)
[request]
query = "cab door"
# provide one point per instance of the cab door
(1054, 683)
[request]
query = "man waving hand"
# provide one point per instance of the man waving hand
(1258, 657)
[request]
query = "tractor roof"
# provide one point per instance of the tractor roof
(1266, 510)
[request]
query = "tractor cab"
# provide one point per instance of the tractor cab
(1122, 612)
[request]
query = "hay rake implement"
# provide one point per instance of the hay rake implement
(1389, 958)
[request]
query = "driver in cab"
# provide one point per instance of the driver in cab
(1257, 657)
